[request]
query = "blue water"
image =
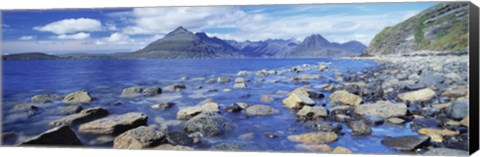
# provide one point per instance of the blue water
(105, 79)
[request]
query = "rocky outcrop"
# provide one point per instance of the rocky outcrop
(59, 136)
(114, 124)
(141, 137)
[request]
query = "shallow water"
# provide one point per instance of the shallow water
(105, 79)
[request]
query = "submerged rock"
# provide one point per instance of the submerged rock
(359, 128)
(418, 95)
(241, 80)
(314, 137)
(174, 87)
(77, 98)
(44, 98)
(266, 99)
(261, 110)
(382, 109)
(162, 106)
(240, 85)
(343, 97)
(114, 124)
(82, 117)
(223, 79)
(151, 91)
(141, 137)
(406, 143)
(208, 124)
(131, 91)
(59, 136)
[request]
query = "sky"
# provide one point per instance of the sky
(129, 29)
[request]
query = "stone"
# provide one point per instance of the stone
(436, 134)
(44, 98)
(266, 99)
(241, 80)
(323, 68)
(445, 152)
(208, 125)
(227, 90)
(322, 126)
(179, 138)
(396, 120)
(223, 79)
(204, 107)
(406, 143)
(341, 150)
(342, 97)
(242, 73)
(240, 85)
(298, 98)
(261, 110)
(247, 136)
(163, 106)
(131, 91)
(312, 112)
(234, 108)
(82, 117)
(382, 109)
(456, 92)
(342, 118)
(58, 136)
(174, 87)
(114, 124)
(465, 122)
(418, 95)
(314, 137)
(314, 147)
(151, 91)
(78, 98)
(242, 105)
(70, 109)
(459, 109)
(138, 138)
(371, 120)
(359, 128)
(173, 147)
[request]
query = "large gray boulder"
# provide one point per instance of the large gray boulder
(343, 97)
(82, 117)
(208, 124)
(114, 124)
(141, 137)
(59, 136)
(189, 112)
(459, 109)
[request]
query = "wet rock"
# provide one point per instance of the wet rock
(141, 137)
(223, 79)
(179, 138)
(241, 80)
(82, 117)
(70, 109)
(342, 97)
(247, 136)
(456, 92)
(242, 73)
(323, 68)
(189, 112)
(359, 128)
(298, 98)
(174, 87)
(173, 147)
(354, 87)
(266, 99)
(418, 95)
(436, 134)
(323, 126)
(227, 90)
(342, 118)
(465, 122)
(371, 120)
(341, 150)
(314, 147)
(44, 98)
(445, 152)
(406, 143)
(235, 146)
(163, 106)
(234, 108)
(261, 110)
(395, 120)
(114, 124)
(417, 124)
(59, 136)
(151, 91)
(240, 85)
(343, 109)
(77, 98)
(131, 91)
(415, 86)
(459, 109)
(208, 124)
(382, 109)
(312, 112)
(314, 137)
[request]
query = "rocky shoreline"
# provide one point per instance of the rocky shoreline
(428, 94)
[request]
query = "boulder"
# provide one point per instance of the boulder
(314, 147)
(298, 98)
(77, 98)
(261, 110)
(138, 138)
(189, 112)
(70, 109)
(163, 106)
(151, 91)
(314, 137)
(341, 150)
(241, 80)
(418, 95)
(59, 136)
(382, 109)
(342, 97)
(312, 112)
(208, 124)
(459, 109)
(240, 85)
(436, 135)
(234, 108)
(82, 117)
(179, 138)
(359, 128)
(371, 120)
(131, 91)
(223, 79)
(322, 126)
(406, 143)
(44, 98)
(114, 124)
(242, 73)
(174, 87)
(445, 152)
(456, 92)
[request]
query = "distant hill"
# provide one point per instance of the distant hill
(276, 48)
(29, 56)
(317, 46)
(443, 27)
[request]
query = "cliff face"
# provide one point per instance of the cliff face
(442, 28)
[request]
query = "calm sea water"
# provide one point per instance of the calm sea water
(105, 79)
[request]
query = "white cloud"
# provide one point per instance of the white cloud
(71, 26)
(27, 37)
(78, 36)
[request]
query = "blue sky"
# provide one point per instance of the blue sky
(129, 29)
